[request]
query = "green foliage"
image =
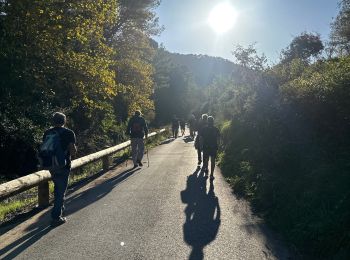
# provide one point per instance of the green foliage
(286, 148)
(134, 69)
(88, 59)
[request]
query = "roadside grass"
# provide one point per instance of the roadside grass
(26, 201)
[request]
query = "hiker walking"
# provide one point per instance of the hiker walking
(198, 143)
(192, 125)
(210, 137)
(175, 126)
(137, 129)
(182, 126)
(55, 155)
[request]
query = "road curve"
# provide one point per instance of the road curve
(168, 210)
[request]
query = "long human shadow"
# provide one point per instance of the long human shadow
(73, 204)
(36, 231)
(202, 214)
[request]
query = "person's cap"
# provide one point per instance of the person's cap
(137, 113)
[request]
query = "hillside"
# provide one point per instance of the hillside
(203, 67)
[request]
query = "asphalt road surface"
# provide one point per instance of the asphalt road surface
(168, 210)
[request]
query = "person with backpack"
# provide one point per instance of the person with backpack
(198, 142)
(210, 137)
(55, 155)
(175, 126)
(137, 129)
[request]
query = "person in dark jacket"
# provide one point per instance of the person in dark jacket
(60, 175)
(137, 129)
(182, 126)
(198, 143)
(192, 125)
(175, 126)
(210, 138)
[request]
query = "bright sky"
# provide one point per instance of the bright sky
(270, 23)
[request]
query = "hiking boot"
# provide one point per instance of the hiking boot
(139, 163)
(135, 166)
(58, 221)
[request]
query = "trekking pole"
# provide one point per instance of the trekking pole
(127, 158)
(147, 157)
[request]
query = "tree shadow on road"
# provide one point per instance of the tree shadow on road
(73, 204)
(202, 214)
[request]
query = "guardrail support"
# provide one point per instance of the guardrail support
(43, 194)
(106, 163)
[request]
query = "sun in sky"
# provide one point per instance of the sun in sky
(222, 17)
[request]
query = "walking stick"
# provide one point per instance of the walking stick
(127, 158)
(147, 158)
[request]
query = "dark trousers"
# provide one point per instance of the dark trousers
(60, 181)
(212, 155)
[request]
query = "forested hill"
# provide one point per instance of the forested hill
(203, 67)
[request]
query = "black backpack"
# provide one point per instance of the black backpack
(136, 127)
(51, 154)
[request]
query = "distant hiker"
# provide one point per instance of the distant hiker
(198, 143)
(55, 155)
(192, 125)
(175, 126)
(210, 136)
(182, 126)
(137, 129)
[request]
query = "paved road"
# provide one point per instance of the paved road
(166, 211)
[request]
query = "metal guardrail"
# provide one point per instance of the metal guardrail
(41, 178)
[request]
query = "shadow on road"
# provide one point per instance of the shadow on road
(73, 204)
(81, 200)
(167, 141)
(36, 231)
(202, 214)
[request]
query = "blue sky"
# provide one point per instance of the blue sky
(270, 23)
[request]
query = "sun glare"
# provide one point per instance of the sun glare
(222, 18)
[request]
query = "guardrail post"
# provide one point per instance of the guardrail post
(43, 194)
(106, 163)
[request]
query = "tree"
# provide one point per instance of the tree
(304, 46)
(340, 29)
(136, 23)
(248, 57)
(53, 56)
